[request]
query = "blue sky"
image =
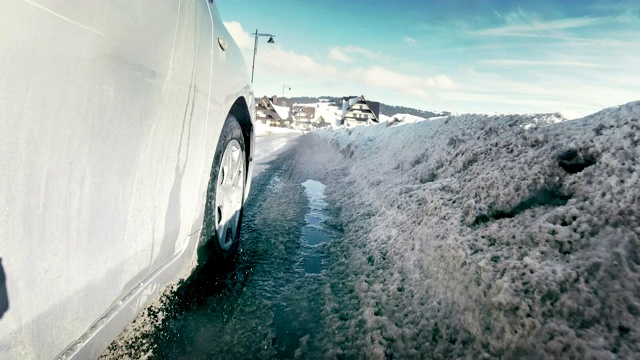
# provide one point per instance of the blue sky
(575, 57)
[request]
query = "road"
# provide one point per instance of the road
(269, 304)
(268, 147)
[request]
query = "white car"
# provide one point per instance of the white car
(126, 139)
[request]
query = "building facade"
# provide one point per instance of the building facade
(359, 111)
(268, 112)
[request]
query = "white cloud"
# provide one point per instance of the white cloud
(336, 53)
(520, 25)
(545, 63)
(443, 82)
(241, 37)
(559, 90)
(380, 77)
(277, 60)
(410, 40)
(347, 54)
(361, 51)
(273, 59)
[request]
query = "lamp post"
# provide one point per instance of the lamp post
(255, 49)
(283, 88)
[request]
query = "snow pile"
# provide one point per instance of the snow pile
(477, 236)
(384, 118)
(407, 118)
(543, 120)
(330, 113)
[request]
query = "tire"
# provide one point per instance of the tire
(225, 195)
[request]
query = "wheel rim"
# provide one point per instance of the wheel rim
(229, 194)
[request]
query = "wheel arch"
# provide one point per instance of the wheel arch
(240, 110)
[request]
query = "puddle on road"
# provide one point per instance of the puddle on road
(314, 233)
(315, 193)
(298, 319)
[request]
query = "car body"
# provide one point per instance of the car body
(110, 115)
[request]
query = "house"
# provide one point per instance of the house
(282, 101)
(267, 112)
(359, 111)
(304, 117)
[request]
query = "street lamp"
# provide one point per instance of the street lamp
(283, 88)
(255, 49)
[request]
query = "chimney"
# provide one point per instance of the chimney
(274, 99)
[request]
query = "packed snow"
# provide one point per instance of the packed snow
(330, 113)
(407, 118)
(262, 130)
(480, 236)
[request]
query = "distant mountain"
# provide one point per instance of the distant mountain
(385, 109)
(390, 110)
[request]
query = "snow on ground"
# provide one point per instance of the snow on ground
(384, 118)
(483, 236)
(330, 113)
(266, 130)
(408, 118)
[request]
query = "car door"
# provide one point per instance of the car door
(105, 123)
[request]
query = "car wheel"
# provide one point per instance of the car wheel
(225, 195)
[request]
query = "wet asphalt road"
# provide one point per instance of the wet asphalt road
(268, 304)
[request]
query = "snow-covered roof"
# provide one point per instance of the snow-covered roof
(282, 111)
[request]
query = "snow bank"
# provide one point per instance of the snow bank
(384, 118)
(476, 236)
(407, 118)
